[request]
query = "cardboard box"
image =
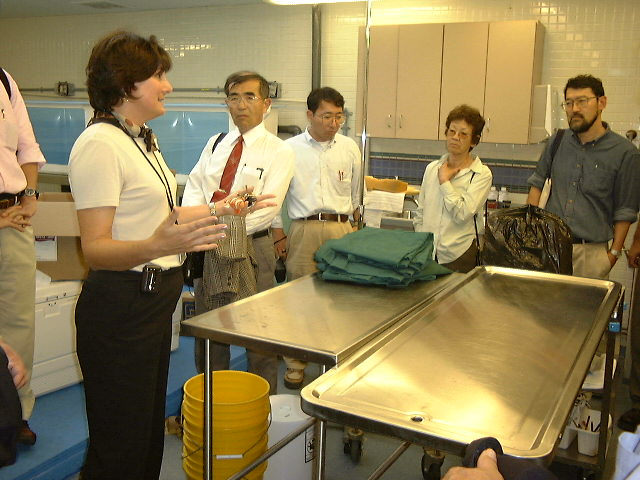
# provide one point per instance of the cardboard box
(56, 217)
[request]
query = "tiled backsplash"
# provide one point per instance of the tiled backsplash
(411, 170)
(209, 43)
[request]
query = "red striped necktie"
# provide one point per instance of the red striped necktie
(229, 173)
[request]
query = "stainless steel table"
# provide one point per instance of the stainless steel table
(502, 353)
(310, 319)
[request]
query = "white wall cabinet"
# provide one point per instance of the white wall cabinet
(514, 66)
(404, 81)
(464, 68)
(418, 73)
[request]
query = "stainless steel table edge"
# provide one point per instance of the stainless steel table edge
(543, 454)
(191, 328)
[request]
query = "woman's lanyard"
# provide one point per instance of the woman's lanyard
(145, 133)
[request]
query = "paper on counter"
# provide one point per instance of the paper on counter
(389, 202)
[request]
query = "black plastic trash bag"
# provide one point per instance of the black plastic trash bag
(528, 238)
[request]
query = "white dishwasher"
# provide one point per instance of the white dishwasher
(55, 364)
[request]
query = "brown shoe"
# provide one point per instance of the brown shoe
(26, 436)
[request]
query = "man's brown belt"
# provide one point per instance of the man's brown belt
(8, 200)
(329, 217)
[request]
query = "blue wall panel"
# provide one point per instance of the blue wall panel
(56, 129)
(183, 135)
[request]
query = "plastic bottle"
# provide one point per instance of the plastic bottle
(503, 198)
(492, 198)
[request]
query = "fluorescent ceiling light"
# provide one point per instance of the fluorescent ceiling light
(309, 2)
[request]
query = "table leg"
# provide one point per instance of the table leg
(320, 443)
(208, 414)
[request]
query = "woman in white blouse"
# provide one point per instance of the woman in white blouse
(133, 236)
(454, 190)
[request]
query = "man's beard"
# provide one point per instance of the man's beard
(584, 126)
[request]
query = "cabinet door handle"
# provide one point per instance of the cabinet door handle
(487, 124)
(389, 121)
(400, 122)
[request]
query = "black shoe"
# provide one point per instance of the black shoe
(26, 436)
(629, 420)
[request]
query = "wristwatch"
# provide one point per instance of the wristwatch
(615, 253)
(30, 192)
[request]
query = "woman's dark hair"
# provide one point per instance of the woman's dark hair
(472, 117)
(117, 62)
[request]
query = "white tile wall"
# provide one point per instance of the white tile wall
(602, 38)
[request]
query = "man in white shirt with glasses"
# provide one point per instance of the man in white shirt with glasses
(323, 195)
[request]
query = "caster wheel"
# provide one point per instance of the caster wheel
(353, 448)
(431, 468)
(346, 447)
(356, 450)
(352, 439)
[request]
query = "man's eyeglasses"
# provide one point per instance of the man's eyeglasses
(248, 99)
(329, 118)
(461, 135)
(578, 102)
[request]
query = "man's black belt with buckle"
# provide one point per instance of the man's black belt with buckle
(8, 200)
(329, 217)
(580, 240)
(261, 234)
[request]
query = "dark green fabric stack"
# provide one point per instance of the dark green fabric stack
(394, 258)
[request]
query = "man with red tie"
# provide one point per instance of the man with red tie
(248, 155)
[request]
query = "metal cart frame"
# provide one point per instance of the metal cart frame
(310, 319)
(314, 320)
(483, 377)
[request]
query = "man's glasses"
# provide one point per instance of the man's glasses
(578, 102)
(329, 118)
(248, 99)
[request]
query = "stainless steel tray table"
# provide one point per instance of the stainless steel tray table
(501, 354)
(312, 320)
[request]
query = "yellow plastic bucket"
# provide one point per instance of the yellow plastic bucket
(240, 423)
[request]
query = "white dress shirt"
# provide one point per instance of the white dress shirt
(447, 209)
(327, 177)
(266, 164)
